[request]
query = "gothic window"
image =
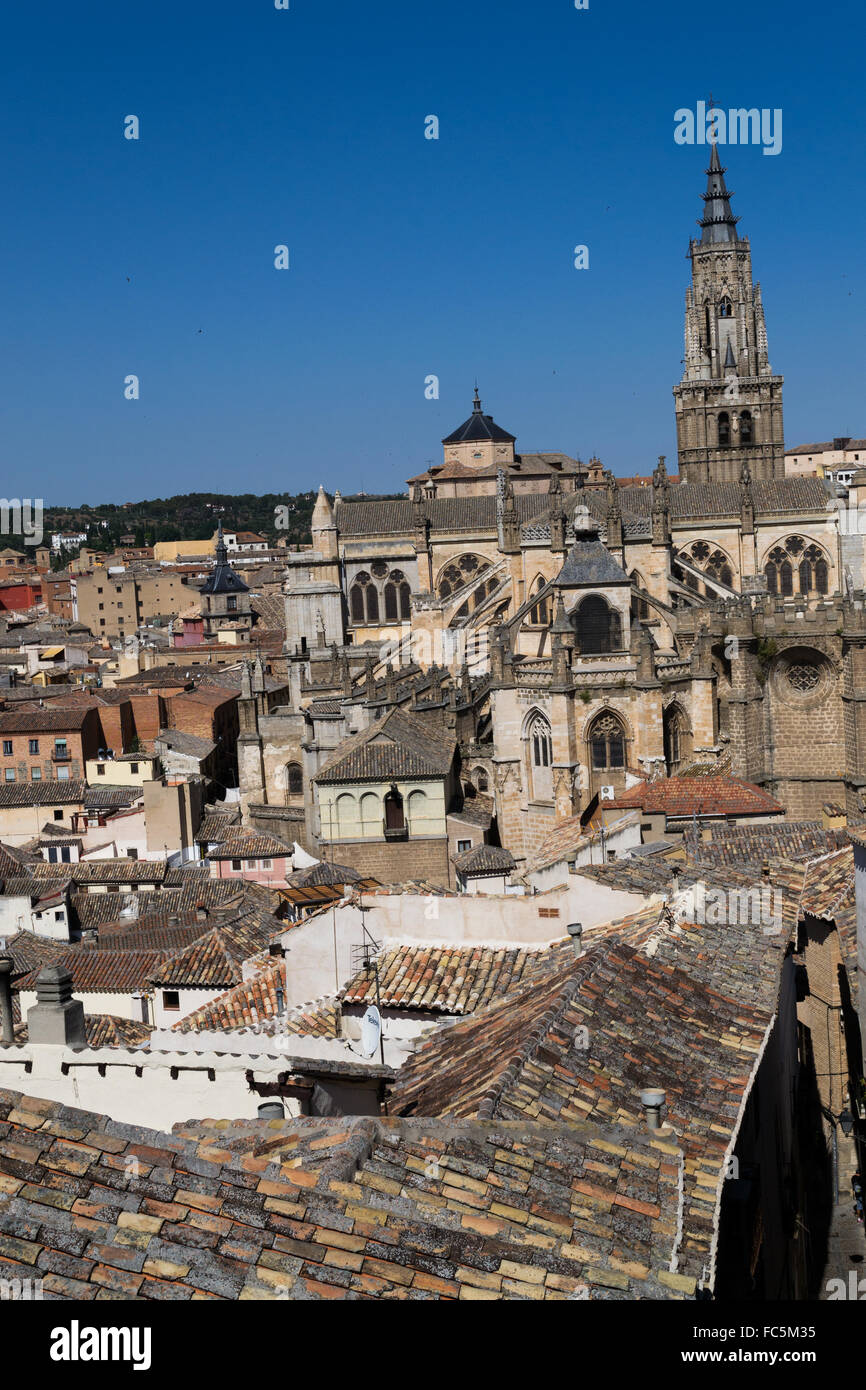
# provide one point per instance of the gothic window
(405, 602)
(639, 606)
(607, 743)
(786, 578)
(726, 309)
(363, 599)
(459, 572)
(379, 569)
(294, 779)
(356, 603)
(807, 559)
(745, 427)
(676, 736)
(538, 614)
(540, 743)
(390, 603)
(724, 429)
(599, 628)
(372, 604)
(481, 779)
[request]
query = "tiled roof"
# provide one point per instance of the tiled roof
(322, 875)
(440, 979)
(215, 824)
(728, 844)
(36, 720)
(239, 842)
(105, 1030)
(44, 793)
(107, 870)
(216, 958)
(177, 741)
(112, 797)
(484, 859)
(312, 1208)
(687, 796)
(245, 1005)
(686, 1010)
(102, 972)
(397, 745)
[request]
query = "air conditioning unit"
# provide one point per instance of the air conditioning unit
(607, 793)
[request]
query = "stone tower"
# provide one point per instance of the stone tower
(729, 403)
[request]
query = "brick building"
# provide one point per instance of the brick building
(47, 744)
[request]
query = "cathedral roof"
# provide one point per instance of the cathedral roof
(590, 562)
(718, 222)
(479, 426)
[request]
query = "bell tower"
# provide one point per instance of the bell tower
(728, 403)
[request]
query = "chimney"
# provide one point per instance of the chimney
(575, 931)
(272, 1110)
(7, 1026)
(652, 1101)
(56, 1017)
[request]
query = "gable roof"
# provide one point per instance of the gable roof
(498, 1214)
(688, 796)
(397, 745)
(440, 979)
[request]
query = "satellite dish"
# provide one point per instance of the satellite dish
(371, 1031)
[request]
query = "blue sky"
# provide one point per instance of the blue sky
(409, 256)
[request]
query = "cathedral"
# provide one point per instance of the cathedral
(567, 633)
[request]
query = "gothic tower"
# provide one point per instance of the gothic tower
(729, 403)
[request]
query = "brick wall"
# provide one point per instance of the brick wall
(394, 863)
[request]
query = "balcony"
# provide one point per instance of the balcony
(61, 755)
(395, 832)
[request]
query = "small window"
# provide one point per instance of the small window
(60, 916)
(236, 866)
(265, 864)
(52, 854)
(58, 814)
(65, 854)
(7, 748)
(170, 1000)
(10, 774)
(463, 845)
(34, 747)
(132, 854)
(36, 774)
(100, 771)
(133, 767)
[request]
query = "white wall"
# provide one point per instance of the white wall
(152, 1099)
(320, 956)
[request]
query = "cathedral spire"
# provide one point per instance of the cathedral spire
(718, 222)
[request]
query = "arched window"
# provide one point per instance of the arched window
(676, 736)
(807, 559)
(540, 747)
(726, 309)
(607, 743)
(405, 602)
(539, 614)
(598, 626)
(371, 814)
(459, 572)
(344, 822)
(417, 811)
(639, 606)
(745, 427)
(372, 604)
(395, 821)
(356, 603)
(390, 603)
(724, 429)
(294, 779)
(481, 779)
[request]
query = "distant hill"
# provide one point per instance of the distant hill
(190, 516)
